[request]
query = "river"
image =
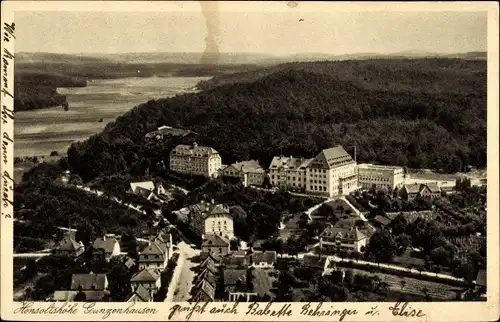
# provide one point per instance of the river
(38, 132)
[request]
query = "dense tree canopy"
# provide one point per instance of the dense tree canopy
(407, 112)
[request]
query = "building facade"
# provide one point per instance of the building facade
(332, 172)
(288, 173)
(250, 172)
(350, 239)
(195, 160)
(380, 176)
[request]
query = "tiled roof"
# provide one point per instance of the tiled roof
(412, 188)
(69, 243)
(433, 187)
(147, 185)
(235, 261)
(193, 150)
(331, 158)
(129, 263)
(207, 275)
(142, 293)
(149, 253)
(290, 162)
(267, 256)
(68, 296)
(352, 234)
(214, 240)
(88, 281)
(232, 276)
(146, 275)
(170, 131)
(248, 166)
(239, 253)
(313, 261)
(382, 220)
(206, 288)
(107, 243)
(206, 254)
(261, 281)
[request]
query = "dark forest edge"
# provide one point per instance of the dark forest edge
(424, 113)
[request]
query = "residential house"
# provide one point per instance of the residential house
(423, 190)
(380, 176)
(107, 246)
(381, 221)
(288, 172)
(429, 191)
(151, 191)
(89, 282)
(211, 263)
(331, 173)
(207, 275)
(210, 218)
(167, 132)
(140, 294)
(157, 253)
(350, 239)
(150, 279)
(195, 160)
(315, 262)
(265, 259)
(215, 244)
(236, 261)
(89, 296)
(410, 191)
(203, 292)
(249, 172)
(68, 246)
(93, 286)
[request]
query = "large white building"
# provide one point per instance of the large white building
(380, 176)
(196, 160)
(288, 173)
(332, 172)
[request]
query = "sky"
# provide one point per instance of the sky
(266, 31)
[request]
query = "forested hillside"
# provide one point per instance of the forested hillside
(428, 113)
(35, 90)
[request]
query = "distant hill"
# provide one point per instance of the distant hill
(428, 113)
(433, 74)
(35, 89)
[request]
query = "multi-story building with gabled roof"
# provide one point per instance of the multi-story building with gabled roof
(195, 160)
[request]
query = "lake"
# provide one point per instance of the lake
(39, 132)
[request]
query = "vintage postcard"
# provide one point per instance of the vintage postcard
(249, 161)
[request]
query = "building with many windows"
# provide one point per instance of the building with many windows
(380, 176)
(288, 173)
(332, 172)
(195, 160)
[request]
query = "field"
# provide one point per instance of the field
(38, 132)
(412, 286)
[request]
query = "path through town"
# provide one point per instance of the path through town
(187, 274)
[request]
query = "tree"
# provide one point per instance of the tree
(80, 297)
(382, 246)
(425, 290)
(402, 241)
(402, 283)
(399, 225)
(86, 234)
